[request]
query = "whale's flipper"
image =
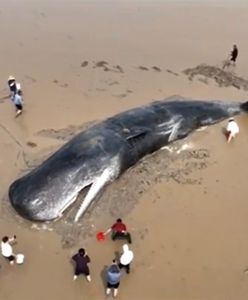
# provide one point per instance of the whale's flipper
(97, 185)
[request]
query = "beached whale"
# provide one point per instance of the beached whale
(101, 153)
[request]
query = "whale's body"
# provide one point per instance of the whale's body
(103, 152)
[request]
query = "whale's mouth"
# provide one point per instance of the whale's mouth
(80, 192)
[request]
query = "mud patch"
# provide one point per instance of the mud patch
(223, 78)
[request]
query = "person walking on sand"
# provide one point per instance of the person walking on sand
(119, 231)
(7, 250)
(113, 279)
(234, 54)
(232, 130)
(14, 86)
(126, 258)
(18, 101)
(232, 57)
(81, 260)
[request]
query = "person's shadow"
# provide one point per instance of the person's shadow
(103, 277)
(225, 133)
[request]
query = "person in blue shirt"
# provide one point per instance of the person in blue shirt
(113, 278)
(18, 101)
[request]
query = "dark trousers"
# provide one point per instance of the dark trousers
(127, 267)
(121, 236)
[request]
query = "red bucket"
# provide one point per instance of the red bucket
(100, 236)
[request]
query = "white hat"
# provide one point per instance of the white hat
(11, 78)
(127, 255)
(19, 259)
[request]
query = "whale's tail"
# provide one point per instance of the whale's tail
(244, 106)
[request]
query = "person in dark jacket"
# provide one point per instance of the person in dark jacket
(81, 260)
(234, 54)
(232, 57)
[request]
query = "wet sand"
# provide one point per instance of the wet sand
(80, 62)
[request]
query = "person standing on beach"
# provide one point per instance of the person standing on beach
(81, 260)
(14, 86)
(18, 101)
(7, 250)
(234, 54)
(113, 279)
(126, 258)
(232, 57)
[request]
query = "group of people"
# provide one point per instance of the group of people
(16, 94)
(81, 259)
(113, 272)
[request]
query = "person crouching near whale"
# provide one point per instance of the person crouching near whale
(7, 249)
(81, 260)
(126, 258)
(119, 231)
(232, 130)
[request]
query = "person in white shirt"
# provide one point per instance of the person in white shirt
(126, 258)
(232, 130)
(7, 250)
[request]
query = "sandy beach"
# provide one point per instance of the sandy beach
(80, 62)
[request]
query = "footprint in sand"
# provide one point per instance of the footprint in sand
(157, 69)
(114, 83)
(120, 95)
(69, 37)
(123, 95)
(101, 64)
(171, 72)
(63, 85)
(30, 79)
(119, 68)
(143, 68)
(84, 64)
(31, 144)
